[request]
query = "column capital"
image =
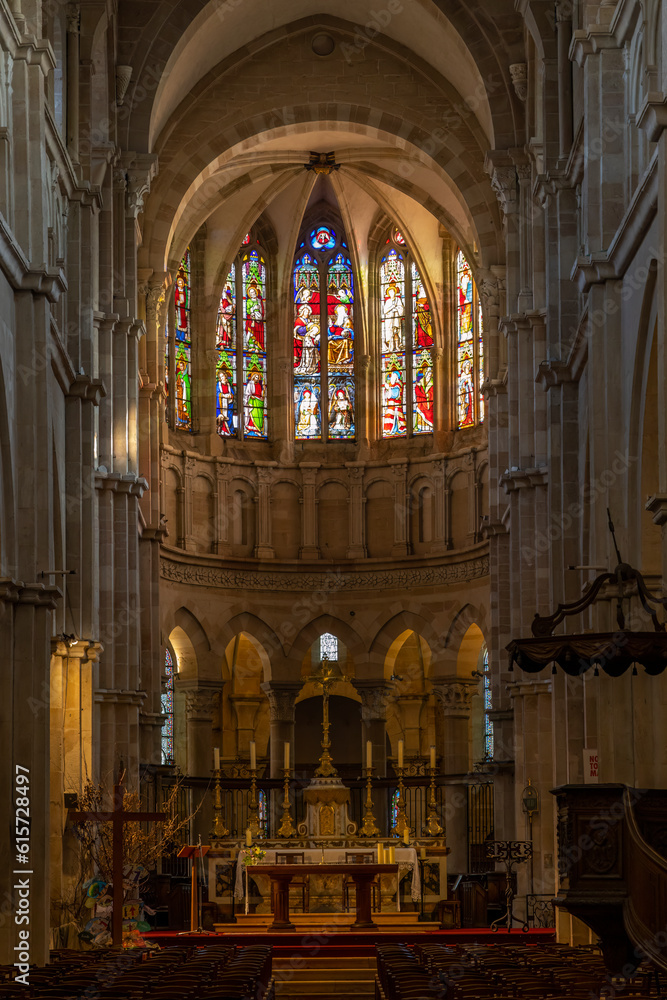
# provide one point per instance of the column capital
(281, 699)
(202, 700)
(454, 693)
(375, 696)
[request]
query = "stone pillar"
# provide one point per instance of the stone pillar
(73, 55)
(375, 696)
(281, 705)
(202, 704)
(525, 223)
(564, 31)
(189, 470)
(246, 708)
(357, 547)
(410, 709)
(399, 468)
(309, 540)
(503, 175)
(222, 508)
(264, 548)
(453, 695)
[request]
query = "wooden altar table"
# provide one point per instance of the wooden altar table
(362, 875)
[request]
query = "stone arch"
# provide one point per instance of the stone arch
(467, 617)
(391, 630)
(265, 639)
(190, 643)
(328, 623)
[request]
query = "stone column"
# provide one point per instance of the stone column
(375, 696)
(189, 469)
(281, 705)
(454, 698)
(357, 547)
(564, 31)
(399, 468)
(309, 540)
(503, 175)
(264, 548)
(202, 704)
(73, 45)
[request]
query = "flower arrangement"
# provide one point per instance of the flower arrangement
(253, 855)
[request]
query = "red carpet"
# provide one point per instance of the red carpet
(291, 942)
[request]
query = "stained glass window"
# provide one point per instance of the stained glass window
(246, 240)
(488, 704)
(225, 342)
(470, 346)
(328, 646)
(422, 363)
(253, 273)
(262, 814)
(407, 364)
(324, 343)
(167, 708)
(183, 348)
(323, 238)
(393, 810)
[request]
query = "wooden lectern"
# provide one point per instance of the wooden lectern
(195, 852)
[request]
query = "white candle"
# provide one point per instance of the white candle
(248, 838)
(287, 756)
(216, 758)
(253, 756)
(380, 853)
(369, 754)
(392, 855)
(422, 853)
(400, 753)
(433, 757)
(406, 836)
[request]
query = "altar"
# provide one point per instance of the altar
(326, 869)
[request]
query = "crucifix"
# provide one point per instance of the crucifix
(117, 816)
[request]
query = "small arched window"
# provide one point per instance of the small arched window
(407, 365)
(469, 347)
(488, 705)
(241, 347)
(323, 339)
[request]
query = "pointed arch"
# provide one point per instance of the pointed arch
(328, 623)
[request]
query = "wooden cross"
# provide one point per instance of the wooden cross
(118, 817)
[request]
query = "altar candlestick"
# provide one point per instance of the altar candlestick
(433, 757)
(253, 757)
(216, 758)
(286, 765)
(400, 753)
(369, 753)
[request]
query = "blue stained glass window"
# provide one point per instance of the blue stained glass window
(167, 707)
(263, 817)
(393, 811)
(323, 238)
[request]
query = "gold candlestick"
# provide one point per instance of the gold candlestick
(286, 828)
(433, 827)
(253, 806)
(401, 818)
(219, 831)
(369, 827)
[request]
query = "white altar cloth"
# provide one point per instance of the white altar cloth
(406, 860)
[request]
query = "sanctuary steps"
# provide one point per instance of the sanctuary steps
(349, 976)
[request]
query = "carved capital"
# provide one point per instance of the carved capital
(73, 14)
(281, 699)
(201, 704)
(455, 695)
(374, 700)
(140, 169)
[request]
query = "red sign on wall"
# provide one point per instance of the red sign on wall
(590, 767)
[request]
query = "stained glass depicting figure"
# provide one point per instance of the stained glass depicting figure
(183, 348)
(421, 312)
(393, 396)
(306, 317)
(392, 291)
(465, 342)
(225, 392)
(254, 395)
(480, 360)
(341, 407)
(254, 297)
(226, 324)
(307, 409)
(422, 382)
(253, 290)
(323, 238)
